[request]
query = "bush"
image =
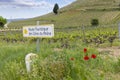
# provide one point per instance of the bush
(94, 22)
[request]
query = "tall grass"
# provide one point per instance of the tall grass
(54, 65)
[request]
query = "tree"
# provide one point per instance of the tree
(3, 21)
(56, 8)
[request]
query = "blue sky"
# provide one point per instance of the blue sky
(28, 8)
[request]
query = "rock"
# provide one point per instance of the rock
(29, 59)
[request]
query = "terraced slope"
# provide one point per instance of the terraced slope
(80, 12)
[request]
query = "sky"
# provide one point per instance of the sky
(12, 9)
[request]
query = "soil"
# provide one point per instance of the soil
(114, 51)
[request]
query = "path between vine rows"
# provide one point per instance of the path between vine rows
(112, 51)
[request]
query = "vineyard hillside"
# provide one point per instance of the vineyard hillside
(78, 13)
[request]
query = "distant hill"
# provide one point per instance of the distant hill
(16, 19)
(80, 12)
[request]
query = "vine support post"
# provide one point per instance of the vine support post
(83, 31)
(119, 31)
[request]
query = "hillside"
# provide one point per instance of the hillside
(79, 13)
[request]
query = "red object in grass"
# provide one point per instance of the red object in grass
(85, 50)
(93, 56)
(86, 58)
(72, 58)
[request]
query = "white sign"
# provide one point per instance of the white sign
(39, 31)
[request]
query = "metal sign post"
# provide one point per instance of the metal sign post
(38, 40)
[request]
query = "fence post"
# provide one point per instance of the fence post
(83, 30)
(119, 30)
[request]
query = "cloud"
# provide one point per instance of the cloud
(6, 0)
(24, 4)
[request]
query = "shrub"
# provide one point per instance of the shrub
(94, 22)
(3, 21)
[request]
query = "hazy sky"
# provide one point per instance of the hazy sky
(28, 8)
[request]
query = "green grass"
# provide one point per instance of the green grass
(13, 66)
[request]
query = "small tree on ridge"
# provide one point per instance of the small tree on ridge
(56, 8)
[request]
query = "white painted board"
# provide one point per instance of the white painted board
(41, 31)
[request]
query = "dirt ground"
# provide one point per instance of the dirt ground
(113, 51)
